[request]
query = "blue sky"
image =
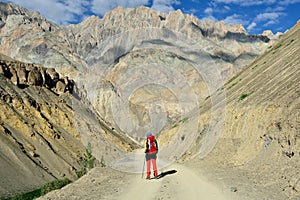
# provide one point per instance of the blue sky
(255, 15)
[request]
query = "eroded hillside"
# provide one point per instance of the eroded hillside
(259, 132)
(44, 119)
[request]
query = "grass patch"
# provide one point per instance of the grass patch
(207, 98)
(54, 185)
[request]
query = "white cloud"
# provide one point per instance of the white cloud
(267, 19)
(209, 15)
(100, 7)
(164, 5)
(288, 2)
(210, 18)
(208, 11)
(246, 2)
(251, 26)
(61, 12)
(227, 8)
(275, 9)
(235, 19)
(268, 16)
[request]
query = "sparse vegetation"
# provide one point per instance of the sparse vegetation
(231, 86)
(184, 120)
(254, 66)
(174, 125)
(180, 121)
(54, 185)
(220, 89)
(102, 162)
(290, 42)
(87, 162)
(207, 98)
(278, 46)
(232, 79)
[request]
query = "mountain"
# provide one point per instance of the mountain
(108, 81)
(101, 49)
(256, 153)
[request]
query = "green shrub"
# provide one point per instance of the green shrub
(243, 96)
(88, 161)
(27, 196)
(278, 46)
(54, 185)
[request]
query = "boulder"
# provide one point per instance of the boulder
(35, 77)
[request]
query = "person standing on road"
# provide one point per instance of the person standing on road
(151, 149)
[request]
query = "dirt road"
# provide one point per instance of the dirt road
(183, 184)
(179, 182)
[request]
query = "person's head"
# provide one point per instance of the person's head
(148, 134)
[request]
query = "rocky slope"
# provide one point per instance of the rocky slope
(258, 144)
(44, 121)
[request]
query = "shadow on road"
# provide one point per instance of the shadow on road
(163, 174)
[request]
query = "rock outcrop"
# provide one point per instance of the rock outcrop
(24, 75)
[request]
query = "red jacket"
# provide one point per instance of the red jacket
(151, 145)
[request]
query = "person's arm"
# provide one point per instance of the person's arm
(146, 147)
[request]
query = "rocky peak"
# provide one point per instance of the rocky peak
(271, 35)
(25, 17)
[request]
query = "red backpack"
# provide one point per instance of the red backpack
(151, 144)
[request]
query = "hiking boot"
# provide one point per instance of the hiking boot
(148, 178)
